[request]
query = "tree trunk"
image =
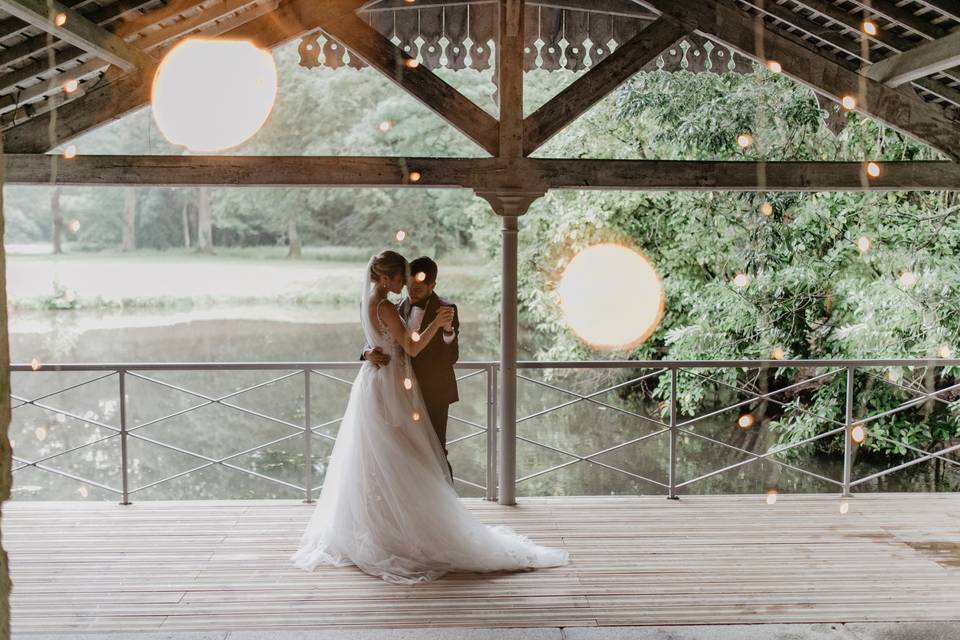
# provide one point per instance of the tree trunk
(129, 242)
(204, 222)
(57, 220)
(293, 238)
(6, 451)
(186, 225)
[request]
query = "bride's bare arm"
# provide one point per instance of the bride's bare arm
(390, 317)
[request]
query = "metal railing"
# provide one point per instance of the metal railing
(672, 428)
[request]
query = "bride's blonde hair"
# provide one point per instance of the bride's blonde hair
(387, 263)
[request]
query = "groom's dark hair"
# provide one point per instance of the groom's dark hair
(425, 265)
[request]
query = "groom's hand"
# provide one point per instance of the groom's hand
(377, 357)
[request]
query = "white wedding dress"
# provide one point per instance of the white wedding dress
(387, 505)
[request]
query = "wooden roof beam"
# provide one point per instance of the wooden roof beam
(599, 81)
(929, 58)
(487, 175)
(70, 26)
(898, 108)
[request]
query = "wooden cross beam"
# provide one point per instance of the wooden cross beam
(897, 108)
(931, 57)
(70, 26)
(486, 175)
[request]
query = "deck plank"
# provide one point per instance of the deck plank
(219, 565)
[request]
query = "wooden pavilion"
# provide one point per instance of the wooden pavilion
(69, 66)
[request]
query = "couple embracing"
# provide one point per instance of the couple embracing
(388, 504)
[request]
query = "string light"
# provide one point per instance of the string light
(60, 19)
(70, 152)
(908, 278)
(386, 125)
(849, 103)
(858, 434)
(772, 496)
(741, 280)
(864, 244)
(407, 384)
(946, 352)
(873, 170)
(844, 506)
(774, 66)
(869, 28)
(745, 421)
(35, 364)
(415, 336)
(415, 176)
(401, 235)
(411, 63)
(41, 433)
(779, 353)
(766, 209)
(74, 226)
(71, 85)
(416, 417)
(83, 492)
(744, 140)
(421, 276)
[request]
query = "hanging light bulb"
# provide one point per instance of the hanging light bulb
(908, 278)
(415, 176)
(416, 416)
(71, 85)
(411, 63)
(873, 170)
(401, 235)
(772, 496)
(70, 152)
(844, 506)
(744, 140)
(415, 336)
(407, 384)
(60, 19)
(849, 103)
(858, 433)
(74, 226)
(741, 280)
(385, 126)
(864, 244)
(421, 276)
(869, 28)
(779, 353)
(745, 421)
(766, 209)
(35, 364)
(774, 66)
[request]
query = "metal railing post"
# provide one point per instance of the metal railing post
(848, 434)
(307, 432)
(492, 391)
(672, 473)
(124, 474)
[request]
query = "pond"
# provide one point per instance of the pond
(556, 440)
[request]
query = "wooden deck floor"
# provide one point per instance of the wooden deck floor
(635, 561)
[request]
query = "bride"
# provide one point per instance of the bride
(387, 504)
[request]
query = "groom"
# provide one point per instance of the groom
(433, 366)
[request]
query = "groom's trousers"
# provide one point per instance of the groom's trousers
(438, 418)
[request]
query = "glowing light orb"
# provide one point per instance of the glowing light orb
(766, 209)
(74, 226)
(858, 434)
(415, 176)
(411, 63)
(385, 126)
(873, 170)
(41, 433)
(772, 496)
(71, 85)
(744, 140)
(35, 364)
(908, 278)
(407, 384)
(946, 352)
(611, 296)
(421, 276)
(70, 152)
(849, 102)
(869, 28)
(209, 95)
(401, 235)
(83, 492)
(60, 19)
(844, 507)
(779, 353)
(416, 417)
(741, 280)
(415, 336)
(774, 66)
(864, 244)
(745, 421)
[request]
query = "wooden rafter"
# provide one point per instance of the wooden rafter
(612, 71)
(931, 57)
(70, 26)
(420, 82)
(480, 174)
(623, 8)
(897, 108)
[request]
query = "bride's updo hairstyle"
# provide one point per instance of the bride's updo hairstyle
(387, 263)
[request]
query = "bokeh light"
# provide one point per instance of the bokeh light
(421, 276)
(70, 152)
(870, 28)
(844, 506)
(415, 176)
(849, 102)
(779, 353)
(415, 336)
(772, 496)
(745, 421)
(60, 19)
(908, 278)
(71, 85)
(209, 95)
(407, 384)
(385, 126)
(35, 364)
(864, 244)
(774, 66)
(744, 140)
(416, 417)
(873, 170)
(611, 296)
(766, 209)
(858, 433)
(741, 280)
(401, 235)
